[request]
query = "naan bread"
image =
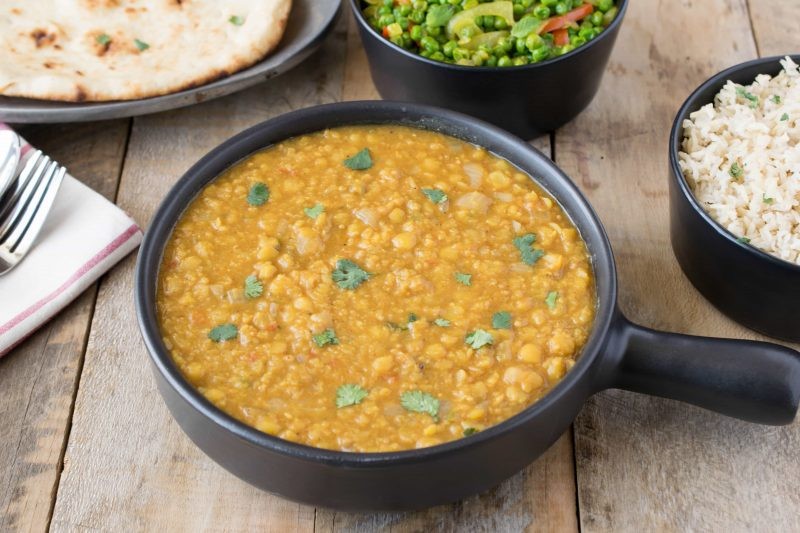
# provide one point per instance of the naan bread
(93, 50)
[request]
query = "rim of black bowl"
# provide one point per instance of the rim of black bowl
(622, 8)
(675, 139)
(159, 355)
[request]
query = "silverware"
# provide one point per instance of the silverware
(10, 151)
(25, 209)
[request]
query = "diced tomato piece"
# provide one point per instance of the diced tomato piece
(556, 23)
(561, 37)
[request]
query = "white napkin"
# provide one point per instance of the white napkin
(83, 237)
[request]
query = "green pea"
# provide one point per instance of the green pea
(433, 30)
(520, 46)
(541, 12)
(540, 54)
(604, 5)
(383, 10)
(504, 61)
(518, 11)
(491, 62)
(549, 3)
(419, 5)
(479, 21)
(417, 16)
(561, 8)
(404, 9)
(403, 21)
(461, 53)
(596, 18)
(565, 49)
(520, 60)
(533, 41)
(526, 3)
(577, 41)
(437, 56)
(430, 44)
(416, 33)
(587, 33)
(449, 47)
(500, 23)
(609, 16)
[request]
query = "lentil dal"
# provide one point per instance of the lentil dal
(374, 288)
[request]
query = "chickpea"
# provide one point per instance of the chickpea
(404, 241)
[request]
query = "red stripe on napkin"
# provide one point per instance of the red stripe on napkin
(89, 265)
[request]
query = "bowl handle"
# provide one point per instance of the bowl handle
(754, 381)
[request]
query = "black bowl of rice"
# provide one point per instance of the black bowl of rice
(735, 193)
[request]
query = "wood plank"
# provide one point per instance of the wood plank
(775, 26)
(39, 378)
(128, 466)
(646, 464)
(540, 498)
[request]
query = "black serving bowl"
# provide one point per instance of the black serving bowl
(752, 287)
(527, 100)
(755, 381)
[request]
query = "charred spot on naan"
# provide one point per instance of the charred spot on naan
(43, 37)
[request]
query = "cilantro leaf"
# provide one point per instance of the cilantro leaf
(325, 338)
(141, 45)
(776, 98)
(223, 332)
(501, 320)
(236, 20)
(528, 253)
(361, 161)
(258, 195)
(552, 298)
(350, 394)
(524, 27)
(420, 402)
(469, 431)
(103, 39)
(436, 196)
(253, 288)
(349, 275)
(464, 279)
(768, 201)
(442, 322)
(314, 212)
(784, 117)
(394, 326)
(736, 171)
(753, 99)
(439, 15)
(743, 240)
(478, 339)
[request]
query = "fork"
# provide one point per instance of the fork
(25, 206)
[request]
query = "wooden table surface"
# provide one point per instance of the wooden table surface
(87, 444)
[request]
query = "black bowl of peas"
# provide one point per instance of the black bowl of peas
(528, 66)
